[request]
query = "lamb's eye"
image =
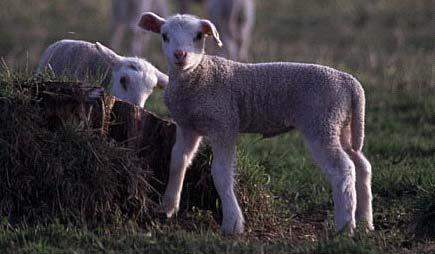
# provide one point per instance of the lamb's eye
(198, 36)
(123, 80)
(133, 67)
(165, 37)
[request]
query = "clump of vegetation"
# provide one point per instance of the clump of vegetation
(264, 214)
(425, 216)
(69, 173)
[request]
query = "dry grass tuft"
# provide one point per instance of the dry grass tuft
(68, 173)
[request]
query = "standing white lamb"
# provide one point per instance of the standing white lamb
(125, 15)
(234, 19)
(216, 98)
(133, 79)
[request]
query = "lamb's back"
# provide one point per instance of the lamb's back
(75, 59)
(267, 98)
(270, 97)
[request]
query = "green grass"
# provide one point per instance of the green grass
(387, 45)
(57, 238)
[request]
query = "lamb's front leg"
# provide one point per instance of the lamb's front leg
(223, 166)
(186, 145)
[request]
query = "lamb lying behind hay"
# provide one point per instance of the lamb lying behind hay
(133, 78)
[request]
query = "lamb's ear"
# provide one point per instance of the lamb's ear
(208, 28)
(109, 55)
(151, 22)
(162, 79)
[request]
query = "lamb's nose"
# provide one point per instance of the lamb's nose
(180, 54)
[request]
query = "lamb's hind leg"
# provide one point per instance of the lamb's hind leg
(138, 42)
(117, 36)
(186, 145)
(340, 171)
(363, 170)
(223, 166)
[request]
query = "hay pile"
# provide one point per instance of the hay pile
(68, 173)
(62, 157)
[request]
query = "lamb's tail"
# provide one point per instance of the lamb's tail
(358, 115)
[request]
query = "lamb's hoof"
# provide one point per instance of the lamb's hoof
(170, 205)
(365, 221)
(233, 226)
(348, 229)
(366, 227)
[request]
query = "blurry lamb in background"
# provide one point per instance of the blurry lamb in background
(133, 78)
(125, 15)
(183, 5)
(234, 19)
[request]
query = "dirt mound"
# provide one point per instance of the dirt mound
(53, 166)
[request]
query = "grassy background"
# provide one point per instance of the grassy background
(386, 44)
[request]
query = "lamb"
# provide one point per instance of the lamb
(133, 78)
(209, 96)
(183, 5)
(234, 19)
(125, 15)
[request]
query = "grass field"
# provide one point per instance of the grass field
(386, 44)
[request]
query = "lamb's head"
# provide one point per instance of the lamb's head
(182, 38)
(133, 79)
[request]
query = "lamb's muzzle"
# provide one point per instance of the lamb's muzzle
(217, 98)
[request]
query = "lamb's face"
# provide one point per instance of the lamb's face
(182, 38)
(183, 42)
(133, 79)
(133, 82)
